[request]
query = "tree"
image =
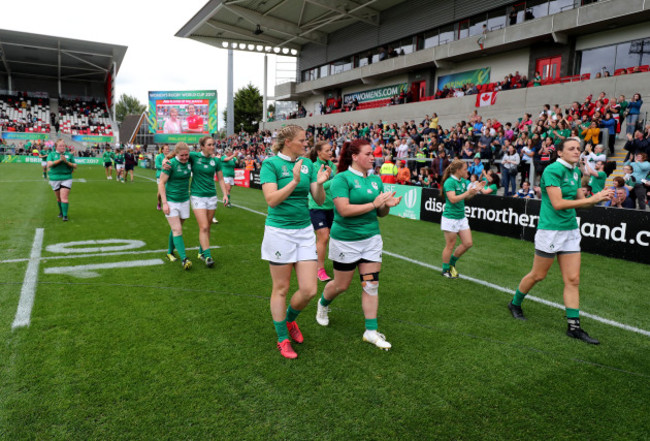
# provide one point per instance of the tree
(248, 109)
(128, 105)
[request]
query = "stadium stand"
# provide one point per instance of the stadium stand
(77, 117)
(21, 113)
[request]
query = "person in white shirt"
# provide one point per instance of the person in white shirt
(402, 149)
(592, 155)
(172, 122)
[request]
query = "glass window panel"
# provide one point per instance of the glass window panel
(538, 8)
(375, 58)
(324, 70)
(347, 66)
(496, 19)
(446, 34)
(593, 60)
(431, 39)
(407, 46)
(556, 6)
(628, 54)
(476, 25)
(363, 60)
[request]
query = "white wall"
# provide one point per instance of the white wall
(614, 36)
(500, 65)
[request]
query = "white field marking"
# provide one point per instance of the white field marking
(144, 177)
(70, 247)
(28, 291)
(528, 297)
(87, 271)
(508, 291)
(79, 180)
(121, 253)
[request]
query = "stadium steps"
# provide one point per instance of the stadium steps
(619, 157)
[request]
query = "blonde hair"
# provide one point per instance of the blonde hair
(455, 165)
(286, 133)
(181, 146)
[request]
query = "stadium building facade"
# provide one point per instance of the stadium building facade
(579, 47)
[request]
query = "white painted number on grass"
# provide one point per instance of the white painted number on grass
(101, 247)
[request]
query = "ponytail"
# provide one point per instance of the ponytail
(349, 149)
(451, 169)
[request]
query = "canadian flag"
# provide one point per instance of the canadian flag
(486, 99)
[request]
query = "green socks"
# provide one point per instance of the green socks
(292, 314)
(60, 207)
(281, 330)
(453, 260)
(180, 246)
(371, 324)
(170, 243)
(206, 253)
(64, 208)
(518, 298)
(323, 301)
(445, 267)
(572, 313)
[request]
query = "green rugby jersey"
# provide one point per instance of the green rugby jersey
(329, 203)
(203, 170)
(119, 158)
(178, 184)
(597, 183)
(358, 190)
(228, 167)
(293, 212)
(43, 155)
(567, 177)
(108, 157)
(458, 186)
(159, 161)
(62, 171)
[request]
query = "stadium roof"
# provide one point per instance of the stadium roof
(42, 56)
(274, 25)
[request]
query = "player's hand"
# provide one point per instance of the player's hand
(225, 200)
(166, 165)
(165, 208)
(381, 200)
(296, 171)
(393, 201)
(324, 174)
(604, 195)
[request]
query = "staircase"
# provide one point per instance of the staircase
(619, 156)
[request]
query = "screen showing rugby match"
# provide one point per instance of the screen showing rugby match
(182, 115)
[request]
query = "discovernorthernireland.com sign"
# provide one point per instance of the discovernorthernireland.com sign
(612, 232)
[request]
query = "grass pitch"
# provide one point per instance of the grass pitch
(154, 352)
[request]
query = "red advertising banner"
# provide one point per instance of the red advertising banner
(242, 177)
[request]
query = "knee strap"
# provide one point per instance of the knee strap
(370, 283)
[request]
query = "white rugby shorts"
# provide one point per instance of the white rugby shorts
(229, 181)
(453, 225)
(204, 203)
(119, 166)
(57, 185)
(282, 245)
(179, 209)
(44, 163)
(352, 251)
(558, 241)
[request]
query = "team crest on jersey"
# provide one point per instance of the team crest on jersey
(212, 163)
(375, 186)
(285, 171)
(304, 169)
(575, 176)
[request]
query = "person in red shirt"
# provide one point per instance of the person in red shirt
(193, 121)
(403, 174)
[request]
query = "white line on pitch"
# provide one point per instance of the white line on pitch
(28, 291)
(506, 290)
(117, 253)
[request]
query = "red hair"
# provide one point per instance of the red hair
(349, 149)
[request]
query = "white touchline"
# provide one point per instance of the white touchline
(506, 290)
(87, 271)
(78, 247)
(28, 291)
(120, 253)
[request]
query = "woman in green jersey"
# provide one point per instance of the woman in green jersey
(453, 223)
(228, 162)
(164, 151)
(119, 165)
(61, 164)
(322, 216)
(107, 159)
(355, 238)
(558, 234)
(287, 178)
(205, 166)
(174, 189)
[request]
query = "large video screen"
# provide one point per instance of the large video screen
(186, 116)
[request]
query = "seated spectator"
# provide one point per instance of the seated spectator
(492, 182)
(525, 192)
(592, 134)
(477, 166)
(622, 197)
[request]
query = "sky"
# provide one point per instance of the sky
(155, 58)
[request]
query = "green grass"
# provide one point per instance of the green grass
(159, 353)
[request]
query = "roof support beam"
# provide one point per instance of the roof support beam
(65, 52)
(371, 17)
(4, 59)
(263, 39)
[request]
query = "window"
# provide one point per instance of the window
(496, 19)
(536, 9)
(431, 39)
(628, 55)
(447, 34)
(593, 60)
(463, 29)
(556, 6)
(476, 24)
(324, 71)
